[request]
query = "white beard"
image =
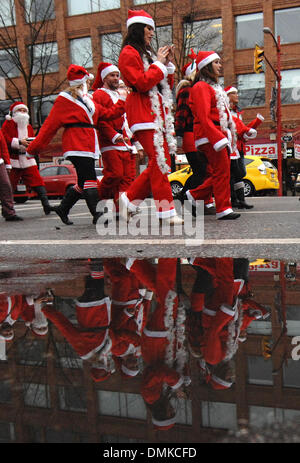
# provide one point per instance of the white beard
(21, 119)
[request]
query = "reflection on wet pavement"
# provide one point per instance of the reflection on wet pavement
(149, 350)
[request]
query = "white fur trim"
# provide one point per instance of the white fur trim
(231, 90)
(155, 334)
(221, 144)
(228, 310)
(15, 143)
(211, 313)
(74, 83)
(114, 148)
(162, 67)
(140, 20)
(252, 133)
(178, 384)
(164, 422)
(207, 60)
(201, 141)
(108, 70)
(166, 214)
(105, 300)
(129, 372)
(142, 126)
(220, 381)
(223, 213)
(130, 262)
(171, 68)
(260, 117)
(19, 106)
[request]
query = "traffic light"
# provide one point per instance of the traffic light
(266, 347)
(258, 58)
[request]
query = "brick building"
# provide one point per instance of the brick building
(86, 31)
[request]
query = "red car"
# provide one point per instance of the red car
(57, 178)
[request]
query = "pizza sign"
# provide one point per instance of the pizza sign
(266, 150)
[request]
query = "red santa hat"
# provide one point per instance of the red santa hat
(103, 70)
(205, 57)
(140, 17)
(164, 425)
(15, 107)
(230, 89)
(39, 330)
(100, 374)
(78, 75)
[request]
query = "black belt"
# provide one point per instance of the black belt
(84, 125)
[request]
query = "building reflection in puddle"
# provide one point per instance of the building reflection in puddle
(149, 350)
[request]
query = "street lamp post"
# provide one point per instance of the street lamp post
(277, 73)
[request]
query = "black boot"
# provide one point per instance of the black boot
(68, 201)
(231, 216)
(42, 194)
(241, 199)
(91, 197)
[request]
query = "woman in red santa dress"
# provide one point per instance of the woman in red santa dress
(238, 169)
(214, 133)
(148, 110)
(75, 111)
(163, 341)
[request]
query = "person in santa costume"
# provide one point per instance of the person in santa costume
(185, 135)
(6, 193)
(118, 154)
(245, 133)
(76, 112)
(17, 132)
(163, 341)
(214, 134)
(148, 110)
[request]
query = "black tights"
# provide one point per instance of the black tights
(85, 169)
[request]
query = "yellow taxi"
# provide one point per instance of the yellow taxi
(261, 176)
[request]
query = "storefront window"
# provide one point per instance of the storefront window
(248, 30)
(251, 89)
(290, 86)
(45, 58)
(81, 52)
(287, 25)
(203, 35)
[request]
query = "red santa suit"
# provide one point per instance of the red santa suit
(148, 111)
(22, 167)
(118, 158)
(12, 307)
(163, 339)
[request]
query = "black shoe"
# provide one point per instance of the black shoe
(244, 205)
(62, 215)
(13, 218)
(231, 216)
(209, 210)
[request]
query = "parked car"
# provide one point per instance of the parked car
(262, 176)
(57, 178)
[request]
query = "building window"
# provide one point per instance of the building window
(39, 10)
(249, 30)
(45, 58)
(183, 409)
(287, 25)
(72, 399)
(8, 63)
(7, 13)
(163, 36)
(36, 395)
(259, 370)
(145, 2)
(41, 108)
(122, 404)
(31, 352)
(260, 417)
(203, 35)
(81, 52)
(290, 86)
(4, 109)
(91, 6)
(7, 432)
(291, 374)
(251, 89)
(219, 415)
(5, 392)
(111, 47)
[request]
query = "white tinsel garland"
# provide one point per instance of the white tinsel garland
(234, 329)
(159, 122)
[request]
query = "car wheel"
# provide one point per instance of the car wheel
(176, 187)
(249, 189)
(20, 200)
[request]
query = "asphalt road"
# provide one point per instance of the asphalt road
(269, 230)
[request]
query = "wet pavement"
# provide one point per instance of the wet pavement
(175, 350)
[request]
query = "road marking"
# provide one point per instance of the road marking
(261, 241)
